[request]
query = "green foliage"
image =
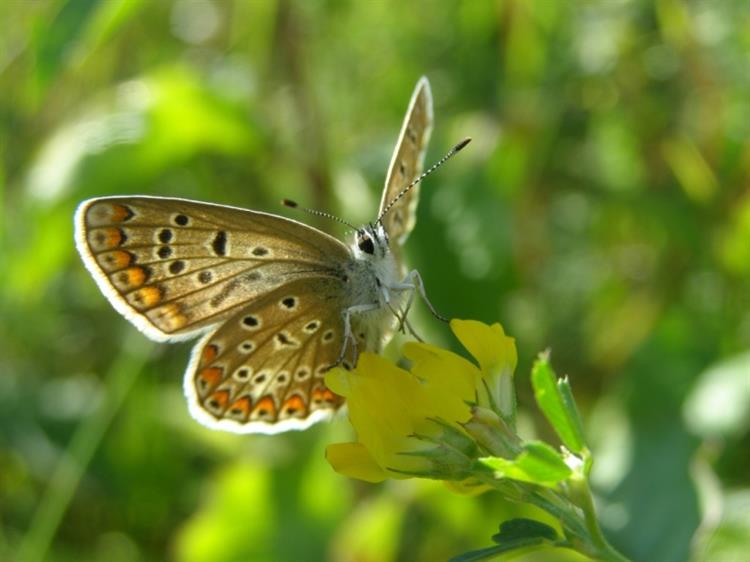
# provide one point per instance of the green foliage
(556, 401)
(602, 211)
(515, 534)
(529, 471)
(537, 463)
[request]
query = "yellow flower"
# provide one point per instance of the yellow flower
(408, 423)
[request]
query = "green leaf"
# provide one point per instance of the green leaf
(556, 402)
(538, 463)
(518, 529)
(514, 534)
(574, 418)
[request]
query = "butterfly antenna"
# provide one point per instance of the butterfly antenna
(424, 174)
(294, 205)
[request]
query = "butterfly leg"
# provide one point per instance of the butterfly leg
(411, 330)
(348, 334)
(412, 281)
(400, 316)
(406, 285)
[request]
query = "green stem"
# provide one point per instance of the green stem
(582, 533)
(560, 508)
(584, 500)
(74, 461)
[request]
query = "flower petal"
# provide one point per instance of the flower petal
(448, 382)
(380, 397)
(337, 380)
(353, 460)
(488, 344)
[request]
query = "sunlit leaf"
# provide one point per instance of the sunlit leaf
(538, 463)
(555, 400)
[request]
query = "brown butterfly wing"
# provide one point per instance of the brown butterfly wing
(406, 165)
(262, 371)
(175, 267)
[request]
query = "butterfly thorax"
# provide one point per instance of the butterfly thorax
(372, 277)
(374, 267)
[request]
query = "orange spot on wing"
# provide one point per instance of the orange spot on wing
(119, 259)
(241, 407)
(294, 405)
(120, 213)
(136, 276)
(171, 317)
(218, 400)
(265, 408)
(208, 354)
(146, 297)
(211, 376)
(330, 397)
(322, 394)
(109, 237)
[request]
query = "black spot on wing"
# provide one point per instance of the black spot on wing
(176, 267)
(250, 321)
(219, 244)
(165, 235)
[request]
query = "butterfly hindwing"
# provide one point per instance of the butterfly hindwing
(406, 165)
(262, 371)
(174, 267)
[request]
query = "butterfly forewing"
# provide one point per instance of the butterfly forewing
(263, 369)
(175, 267)
(406, 165)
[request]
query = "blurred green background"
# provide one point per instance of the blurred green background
(603, 211)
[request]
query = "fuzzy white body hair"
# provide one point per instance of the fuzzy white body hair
(375, 288)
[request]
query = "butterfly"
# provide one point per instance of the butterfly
(277, 302)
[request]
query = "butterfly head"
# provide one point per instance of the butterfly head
(370, 241)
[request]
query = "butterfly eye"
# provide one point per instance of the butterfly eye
(366, 245)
